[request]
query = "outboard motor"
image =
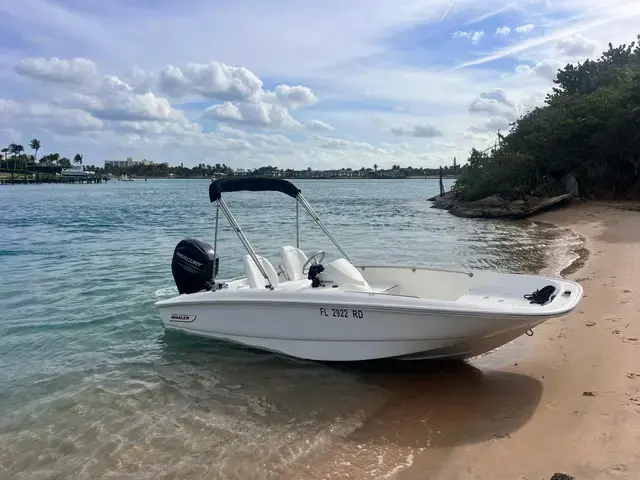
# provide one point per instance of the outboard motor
(194, 266)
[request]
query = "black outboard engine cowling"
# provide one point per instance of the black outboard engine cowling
(194, 266)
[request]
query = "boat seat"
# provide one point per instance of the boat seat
(254, 276)
(292, 260)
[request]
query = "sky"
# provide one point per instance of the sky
(293, 84)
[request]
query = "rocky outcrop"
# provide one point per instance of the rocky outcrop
(497, 207)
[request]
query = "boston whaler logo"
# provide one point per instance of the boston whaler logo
(182, 317)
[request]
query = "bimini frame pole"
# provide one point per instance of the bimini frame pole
(215, 238)
(313, 214)
(297, 224)
(243, 239)
(215, 244)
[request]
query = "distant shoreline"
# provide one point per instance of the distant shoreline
(414, 177)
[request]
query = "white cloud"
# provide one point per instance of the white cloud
(491, 125)
(495, 103)
(502, 31)
(290, 97)
(421, 131)
(8, 109)
(525, 28)
(260, 114)
(577, 46)
(107, 97)
(133, 106)
(104, 96)
(214, 80)
(9, 136)
(75, 71)
(546, 69)
(474, 36)
(488, 106)
(499, 95)
(56, 119)
(319, 126)
(342, 144)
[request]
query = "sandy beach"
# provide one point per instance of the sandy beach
(566, 400)
(585, 422)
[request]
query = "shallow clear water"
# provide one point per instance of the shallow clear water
(92, 387)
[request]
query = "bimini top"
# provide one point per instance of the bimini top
(253, 184)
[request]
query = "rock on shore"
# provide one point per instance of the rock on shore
(497, 207)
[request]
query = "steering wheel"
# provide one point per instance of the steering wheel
(319, 253)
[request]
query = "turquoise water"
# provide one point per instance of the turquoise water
(92, 387)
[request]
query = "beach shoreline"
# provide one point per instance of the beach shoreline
(584, 422)
(563, 401)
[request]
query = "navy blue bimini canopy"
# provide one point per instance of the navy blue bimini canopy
(253, 184)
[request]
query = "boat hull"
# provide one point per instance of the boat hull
(347, 332)
(430, 314)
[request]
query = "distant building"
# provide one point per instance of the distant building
(121, 163)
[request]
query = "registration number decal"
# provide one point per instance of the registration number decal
(341, 312)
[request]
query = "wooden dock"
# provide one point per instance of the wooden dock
(29, 177)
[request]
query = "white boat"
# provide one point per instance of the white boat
(344, 311)
(74, 172)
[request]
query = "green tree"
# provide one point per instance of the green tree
(35, 146)
(16, 150)
(50, 159)
(589, 128)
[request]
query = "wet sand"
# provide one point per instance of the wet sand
(575, 407)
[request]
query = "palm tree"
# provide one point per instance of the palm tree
(51, 158)
(6, 153)
(35, 145)
(16, 150)
(78, 159)
(375, 168)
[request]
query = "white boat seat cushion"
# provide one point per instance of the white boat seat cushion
(255, 277)
(292, 260)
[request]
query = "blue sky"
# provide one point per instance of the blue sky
(323, 84)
